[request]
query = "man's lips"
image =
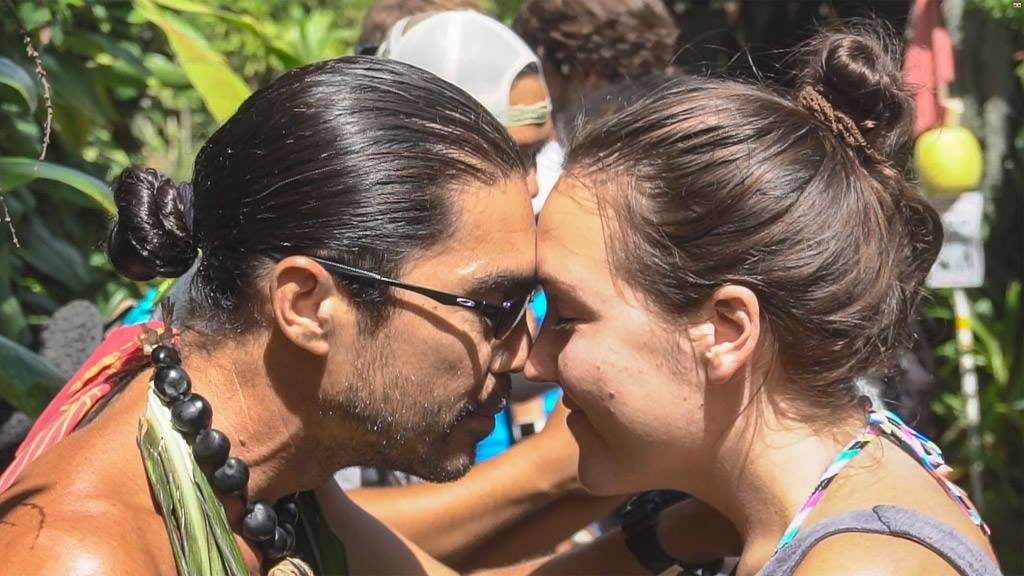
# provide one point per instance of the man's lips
(497, 401)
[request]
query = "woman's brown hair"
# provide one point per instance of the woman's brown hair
(798, 196)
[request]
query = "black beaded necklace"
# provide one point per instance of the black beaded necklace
(271, 528)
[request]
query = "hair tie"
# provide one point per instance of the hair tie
(811, 100)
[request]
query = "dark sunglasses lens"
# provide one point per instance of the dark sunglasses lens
(511, 316)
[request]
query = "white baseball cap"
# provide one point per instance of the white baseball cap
(473, 51)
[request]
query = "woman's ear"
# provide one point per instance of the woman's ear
(733, 322)
(305, 303)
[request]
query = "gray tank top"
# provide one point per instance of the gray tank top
(954, 548)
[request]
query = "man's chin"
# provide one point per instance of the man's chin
(446, 457)
(458, 451)
(452, 468)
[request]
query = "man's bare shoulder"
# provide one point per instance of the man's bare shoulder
(41, 536)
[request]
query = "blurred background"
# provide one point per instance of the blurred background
(147, 81)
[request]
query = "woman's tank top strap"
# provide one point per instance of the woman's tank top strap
(950, 544)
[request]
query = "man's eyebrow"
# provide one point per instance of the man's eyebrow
(505, 281)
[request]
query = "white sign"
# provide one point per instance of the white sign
(961, 263)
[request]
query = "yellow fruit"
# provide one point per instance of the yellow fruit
(948, 160)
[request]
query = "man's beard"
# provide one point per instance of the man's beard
(399, 424)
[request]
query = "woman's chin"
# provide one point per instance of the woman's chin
(602, 474)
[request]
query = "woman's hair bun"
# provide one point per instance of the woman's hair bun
(857, 69)
(153, 232)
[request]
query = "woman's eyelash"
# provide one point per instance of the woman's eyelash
(564, 323)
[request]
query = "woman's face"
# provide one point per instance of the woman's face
(629, 375)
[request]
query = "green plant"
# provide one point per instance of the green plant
(126, 82)
(997, 320)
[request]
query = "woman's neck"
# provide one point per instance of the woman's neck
(765, 469)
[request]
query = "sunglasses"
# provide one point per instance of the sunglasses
(503, 318)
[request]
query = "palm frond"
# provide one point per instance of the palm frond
(201, 539)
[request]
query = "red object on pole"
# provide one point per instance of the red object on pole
(928, 67)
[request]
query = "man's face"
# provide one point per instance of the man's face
(428, 383)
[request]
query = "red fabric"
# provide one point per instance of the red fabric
(928, 64)
(121, 351)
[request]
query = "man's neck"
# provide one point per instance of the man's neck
(264, 418)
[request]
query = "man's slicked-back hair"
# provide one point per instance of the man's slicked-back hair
(355, 159)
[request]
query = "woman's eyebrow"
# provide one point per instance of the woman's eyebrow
(561, 291)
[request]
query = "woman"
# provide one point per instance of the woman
(721, 262)
(735, 259)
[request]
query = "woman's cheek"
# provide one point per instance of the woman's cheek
(578, 369)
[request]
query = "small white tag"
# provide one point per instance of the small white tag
(961, 263)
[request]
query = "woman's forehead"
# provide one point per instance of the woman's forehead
(570, 237)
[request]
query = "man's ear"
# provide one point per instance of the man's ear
(727, 339)
(305, 303)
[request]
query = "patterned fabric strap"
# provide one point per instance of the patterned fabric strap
(911, 441)
(120, 352)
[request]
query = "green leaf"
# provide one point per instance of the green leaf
(52, 255)
(159, 479)
(265, 34)
(166, 71)
(220, 88)
(18, 171)
(201, 538)
(992, 351)
(27, 380)
(323, 547)
(104, 50)
(80, 101)
(15, 76)
(12, 318)
(234, 563)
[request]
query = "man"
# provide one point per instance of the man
(527, 499)
(366, 252)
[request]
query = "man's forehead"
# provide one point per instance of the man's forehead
(492, 240)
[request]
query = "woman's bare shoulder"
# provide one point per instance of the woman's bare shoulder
(858, 554)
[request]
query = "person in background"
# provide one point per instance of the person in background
(383, 14)
(486, 59)
(586, 45)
